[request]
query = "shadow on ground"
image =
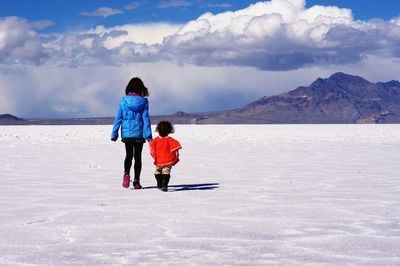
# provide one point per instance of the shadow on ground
(186, 187)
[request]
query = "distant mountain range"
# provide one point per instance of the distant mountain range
(6, 119)
(340, 99)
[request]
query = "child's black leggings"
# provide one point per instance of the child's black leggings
(133, 151)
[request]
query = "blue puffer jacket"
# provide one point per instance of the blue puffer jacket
(133, 117)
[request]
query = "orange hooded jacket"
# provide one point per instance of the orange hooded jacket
(165, 151)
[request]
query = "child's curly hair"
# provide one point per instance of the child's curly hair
(164, 128)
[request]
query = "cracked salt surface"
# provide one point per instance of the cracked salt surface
(242, 195)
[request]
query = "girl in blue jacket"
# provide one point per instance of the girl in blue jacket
(133, 118)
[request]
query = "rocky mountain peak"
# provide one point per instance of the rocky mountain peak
(392, 84)
(8, 117)
(340, 76)
(340, 80)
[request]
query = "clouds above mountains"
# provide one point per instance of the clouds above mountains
(214, 62)
(274, 35)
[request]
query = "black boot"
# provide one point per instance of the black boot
(159, 180)
(165, 181)
(136, 184)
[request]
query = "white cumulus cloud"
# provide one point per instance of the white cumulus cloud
(19, 43)
(279, 34)
(272, 35)
(150, 34)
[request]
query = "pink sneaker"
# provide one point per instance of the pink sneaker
(126, 180)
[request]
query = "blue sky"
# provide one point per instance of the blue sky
(74, 58)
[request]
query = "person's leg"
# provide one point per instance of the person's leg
(158, 176)
(138, 147)
(166, 174)
(127, 165)
(128, 157)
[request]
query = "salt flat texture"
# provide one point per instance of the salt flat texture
(242, 195)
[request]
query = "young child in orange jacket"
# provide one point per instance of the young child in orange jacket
(165, 151)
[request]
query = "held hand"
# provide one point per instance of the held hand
(114, 139)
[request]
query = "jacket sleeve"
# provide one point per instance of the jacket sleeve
(147, 124)
(117, 122)
(174, 145)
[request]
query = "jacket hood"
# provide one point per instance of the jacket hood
(134, 103)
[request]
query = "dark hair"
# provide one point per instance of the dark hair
(164, 128)
(136, 85)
